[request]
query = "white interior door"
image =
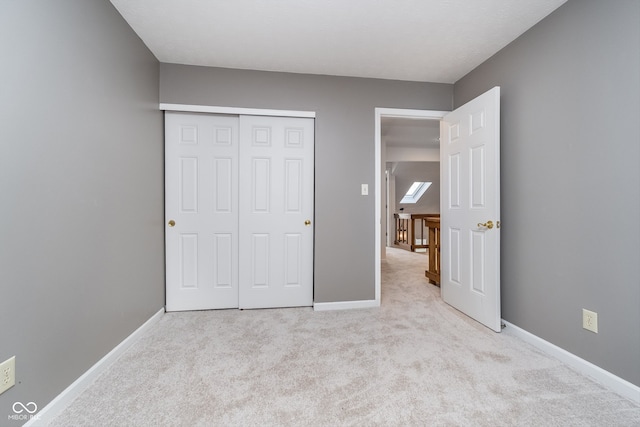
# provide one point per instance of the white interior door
(201, 210)
(238, 206)
(276, 212)
(470, 208)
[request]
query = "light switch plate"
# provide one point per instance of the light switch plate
(365, 189)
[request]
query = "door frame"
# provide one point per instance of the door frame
(379, 168)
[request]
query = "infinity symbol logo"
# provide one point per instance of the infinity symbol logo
(30, 407)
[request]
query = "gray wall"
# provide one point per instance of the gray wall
(570, 178)
(409, 172)
(81, 180)
(344, 220)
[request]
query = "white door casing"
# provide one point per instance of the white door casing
(213, 171)
(201, 186)
(380, 162)
(469, 199)
(276, 211)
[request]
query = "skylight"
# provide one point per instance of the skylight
(416, 191)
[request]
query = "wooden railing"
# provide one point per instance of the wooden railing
(406, 234)
(433, 272)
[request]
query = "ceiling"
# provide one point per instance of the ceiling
(418, 40)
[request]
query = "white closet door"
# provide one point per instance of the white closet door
(201, 211)
(239, 211)
(276, 212)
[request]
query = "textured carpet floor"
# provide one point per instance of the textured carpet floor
(413, 361)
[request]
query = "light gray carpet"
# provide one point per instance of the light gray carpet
(413, 361)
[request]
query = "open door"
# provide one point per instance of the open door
(470, 208)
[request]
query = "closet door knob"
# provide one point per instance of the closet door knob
(171, 223)
(307, 223)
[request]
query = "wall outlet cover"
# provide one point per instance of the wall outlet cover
(7, 374)
(590, 320)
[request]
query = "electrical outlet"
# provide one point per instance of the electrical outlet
(590, 320)
(7, 374)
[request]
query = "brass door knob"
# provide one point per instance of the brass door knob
(488, 224)
(307, 223)
(171, 223)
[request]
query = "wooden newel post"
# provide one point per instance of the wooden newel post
(433, 272)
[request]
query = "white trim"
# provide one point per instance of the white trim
(68, 395)
(236, 111)
(606, 378)
(345, 305)
(379, 113)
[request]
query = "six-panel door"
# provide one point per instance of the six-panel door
(201, 198)
(470, 208)
(276, 212)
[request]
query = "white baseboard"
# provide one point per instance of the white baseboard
(68, 395)
(606, 378)
(345, 305)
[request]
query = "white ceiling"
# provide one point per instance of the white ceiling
(418, 40)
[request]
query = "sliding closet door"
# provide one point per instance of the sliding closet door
(201, 211)
(239, 211)
(276, 212)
